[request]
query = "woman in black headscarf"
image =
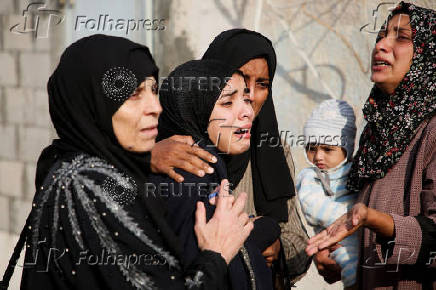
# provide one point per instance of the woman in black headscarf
(201, 100)
(91, 225)
(265, 171)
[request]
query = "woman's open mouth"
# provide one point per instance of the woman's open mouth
(151, 131)
(379, 65)
(242, 133)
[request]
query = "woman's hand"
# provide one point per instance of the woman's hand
(343, 227)
(180, 152)
(272, 253)
(228, 228)
(326, 266)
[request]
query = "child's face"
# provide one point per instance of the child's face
(325, 156)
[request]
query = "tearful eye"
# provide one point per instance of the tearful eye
(404, 38)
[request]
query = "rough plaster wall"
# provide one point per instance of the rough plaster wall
(25, 127)
(327, 32)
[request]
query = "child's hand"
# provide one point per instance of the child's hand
(343, 227)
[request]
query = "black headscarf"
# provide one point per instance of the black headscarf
(272, 181)
(393, 120)
(188, 97)
(94, 77)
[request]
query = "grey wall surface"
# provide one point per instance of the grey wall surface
(322, 50)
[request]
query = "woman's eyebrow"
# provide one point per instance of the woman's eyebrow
(230, 94)
(398, 28)
(262, 80)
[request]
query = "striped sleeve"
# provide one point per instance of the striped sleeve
(319, 209)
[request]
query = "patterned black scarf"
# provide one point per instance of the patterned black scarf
(394, 120)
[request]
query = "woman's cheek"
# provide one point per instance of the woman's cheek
(212, 132)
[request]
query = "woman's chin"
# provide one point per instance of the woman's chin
(239, 149)
(377, 77)
(142, 147)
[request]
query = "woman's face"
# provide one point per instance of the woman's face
(231, 118)
(392, 54)
(257, 79)
(135, 122)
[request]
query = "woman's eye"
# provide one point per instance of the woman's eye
(134, 96)
(263, 85)
(229, 103)
(248, 100)
(381, 34)
(404, 38)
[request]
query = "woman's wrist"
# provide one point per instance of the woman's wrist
(379, 222)
(370, 218)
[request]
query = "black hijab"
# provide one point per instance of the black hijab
(188, 97)
(272, 181)
(94, 77)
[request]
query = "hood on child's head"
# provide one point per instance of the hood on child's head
(332, 122)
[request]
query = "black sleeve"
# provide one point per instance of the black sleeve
(207, 271)
(427, 253)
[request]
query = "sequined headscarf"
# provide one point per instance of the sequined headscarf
(95, 75)
(393, 120)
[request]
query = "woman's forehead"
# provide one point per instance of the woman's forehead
(256, 68)
(400, 21)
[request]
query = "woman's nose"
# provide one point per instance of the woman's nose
(384, 44)
(252, 87)
(152, 106)
(246, 111)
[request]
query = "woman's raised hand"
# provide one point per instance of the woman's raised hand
(343, 227)
(180, 152)
(228, 228)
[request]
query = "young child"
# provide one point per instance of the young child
(322, 188)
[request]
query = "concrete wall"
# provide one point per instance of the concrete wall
(25, 128)
(323, 35)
